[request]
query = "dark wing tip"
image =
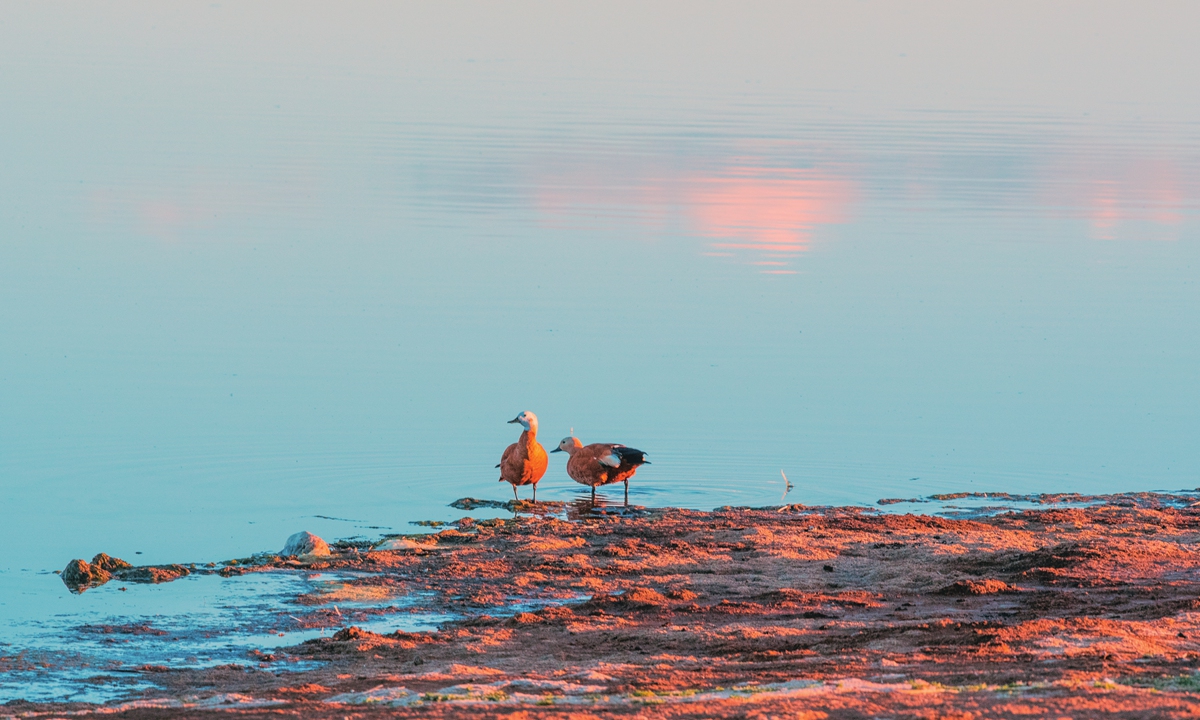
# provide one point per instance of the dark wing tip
(497, 464)
(630, 455)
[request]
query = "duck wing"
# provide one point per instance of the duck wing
(607, 455)
(508, 453)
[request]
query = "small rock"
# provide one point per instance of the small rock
(304, 543)
(109, 564)
(79, 575)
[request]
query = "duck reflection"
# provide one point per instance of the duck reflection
(586, 505)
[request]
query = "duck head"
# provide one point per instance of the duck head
(527, 420)
(568, 445)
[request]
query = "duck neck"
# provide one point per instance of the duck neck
(530, 434)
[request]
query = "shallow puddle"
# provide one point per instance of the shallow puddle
(83, 654)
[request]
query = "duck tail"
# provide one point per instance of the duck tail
(632, 456)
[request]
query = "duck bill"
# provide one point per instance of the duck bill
(517, 419)
(556, 450)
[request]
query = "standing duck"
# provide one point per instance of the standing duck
(524, 462)
(601, 463)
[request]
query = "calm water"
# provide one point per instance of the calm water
(279, 266)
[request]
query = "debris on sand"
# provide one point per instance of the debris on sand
(977, 587)
(539, 507)
(303, 544)
(153, 573)
(470, 503)
(403, 543)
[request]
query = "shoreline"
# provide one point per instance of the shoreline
(680, 613)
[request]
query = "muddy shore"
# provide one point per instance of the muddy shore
(790, 611)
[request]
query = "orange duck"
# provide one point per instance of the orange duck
(601, 463)
(524, 462)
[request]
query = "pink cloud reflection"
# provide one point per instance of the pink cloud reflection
(764, 216)
(1134, 198)
(196, 204)
(770, 212)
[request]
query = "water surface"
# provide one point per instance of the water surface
(280, 267)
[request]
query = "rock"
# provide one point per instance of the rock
(304, 543)
(79, 575)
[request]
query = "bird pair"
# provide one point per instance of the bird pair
(524, 462)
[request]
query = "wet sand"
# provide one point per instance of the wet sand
(790, 611)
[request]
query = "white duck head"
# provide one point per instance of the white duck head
(527, 419)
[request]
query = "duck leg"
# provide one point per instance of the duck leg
(593, 494)
(626, 493)
(515, 498)
(535, 492)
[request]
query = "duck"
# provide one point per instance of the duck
(601, 463)
(525, 461)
